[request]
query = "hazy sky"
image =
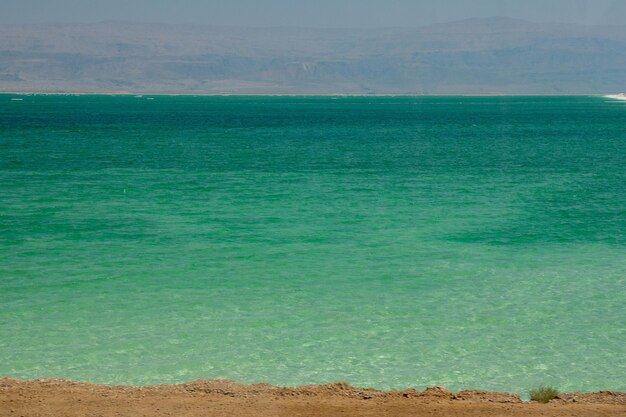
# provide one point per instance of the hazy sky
(316, 13)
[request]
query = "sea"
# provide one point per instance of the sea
(391, 242)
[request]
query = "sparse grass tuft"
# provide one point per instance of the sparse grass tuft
(543, 394)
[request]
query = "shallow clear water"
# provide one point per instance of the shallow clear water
(391, 242)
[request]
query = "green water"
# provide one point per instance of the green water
(390, 242)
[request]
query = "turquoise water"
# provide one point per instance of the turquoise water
(391, 242)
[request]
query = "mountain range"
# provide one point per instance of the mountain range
(474, 56)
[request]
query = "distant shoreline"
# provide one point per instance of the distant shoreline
(207, 94)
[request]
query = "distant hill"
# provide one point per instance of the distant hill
(495, 55)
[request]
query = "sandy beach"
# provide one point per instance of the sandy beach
(55, 398)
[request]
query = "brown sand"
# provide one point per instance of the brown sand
(59, 398)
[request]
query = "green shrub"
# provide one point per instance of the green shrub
(543, 394)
